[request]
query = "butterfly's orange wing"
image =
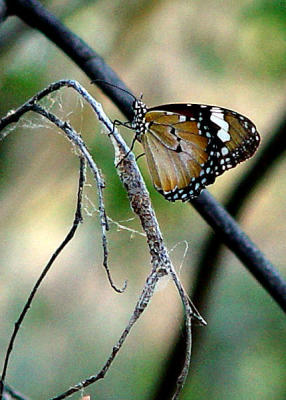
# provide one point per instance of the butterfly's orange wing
(188, 145)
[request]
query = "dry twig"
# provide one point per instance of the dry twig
(141, 205)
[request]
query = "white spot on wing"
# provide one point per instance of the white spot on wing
(218, 119)
(224, 151)
(223, 135)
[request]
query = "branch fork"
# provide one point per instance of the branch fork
(132, 180)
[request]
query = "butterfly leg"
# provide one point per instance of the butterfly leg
(140, 155)
(130, 150)
(115, 123)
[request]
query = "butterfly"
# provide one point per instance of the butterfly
(188, 145)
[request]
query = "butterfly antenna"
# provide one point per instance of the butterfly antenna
(116, 122)
(115, 86)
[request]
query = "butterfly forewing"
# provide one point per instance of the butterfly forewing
(161, 164)
(188, 145)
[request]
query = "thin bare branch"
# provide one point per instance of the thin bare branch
(76, 222)
(142, 303)
(119, 226)
(144, 299)
(77, 140)
(140, 202)
(34, 14)
(9, 393)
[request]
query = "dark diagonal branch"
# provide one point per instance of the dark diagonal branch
(237, 241)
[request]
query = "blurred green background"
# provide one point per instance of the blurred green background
(231, 54)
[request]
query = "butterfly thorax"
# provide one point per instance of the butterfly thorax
(139, 122)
